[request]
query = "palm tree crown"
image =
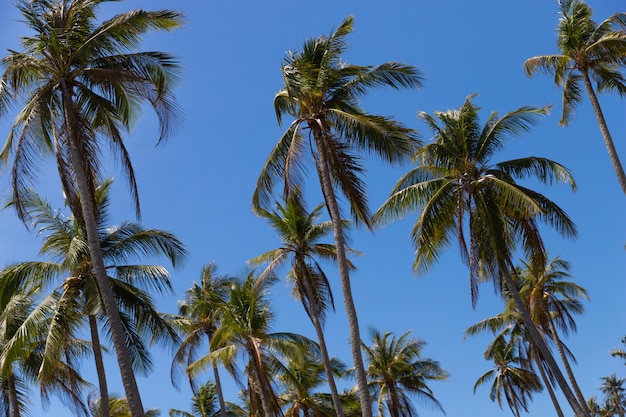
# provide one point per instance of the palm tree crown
(589, 52)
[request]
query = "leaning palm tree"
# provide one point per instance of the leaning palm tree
(78, 299)
(460, 191)
(300, 233)
(552, 301)
(614, 394)
(82, 83)
(589, 52)
(397, 372)
(321, 93)
(514, 382)
(198, 319)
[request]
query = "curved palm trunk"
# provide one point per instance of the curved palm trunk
(568, 368)
(218, 388)
(105, 410)
(344, 276)
(604, 130)
(91, 229)
(542, 347)
(324, 350)
(15, 405)
(548, 384)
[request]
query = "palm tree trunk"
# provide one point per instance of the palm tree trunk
(15, 405)
(218, 388)
(604, 130)
(548, 384)
(541, 346)
(261, 381)
(344, 276)
(315, 319)
(568, 368)
(105, 410)
(91, 229)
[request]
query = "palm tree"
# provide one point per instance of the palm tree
(301, 233)
(460, 191)
(203, 404)
(245, 320)
(321, 93)
(397, 371)
(119, 407)
(614, 394)
(198, 319)
(301, 380)
(82, 84)
(516, 383)
(592, 53)
(552, 300)
(619, 352)
(79, 296)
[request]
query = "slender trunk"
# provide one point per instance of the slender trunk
(604, 130)
(568, 368)
(548, 384)
(541, 346)
(15, 405)
(218, 388)
(315, 319)
(104, 286)
(344, 276)
(261, 381)
(105, 410)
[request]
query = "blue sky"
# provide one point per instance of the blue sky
(199, 184)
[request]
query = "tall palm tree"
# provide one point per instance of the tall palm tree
(245, 320)
(321, 93)
(78, 296)
(516, 383)
(552, 300)
(300, 234)
(198, 319)
(82, 83)
(460, 191)
(397, 372)
(591, 53)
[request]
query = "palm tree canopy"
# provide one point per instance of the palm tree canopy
(69, 51)
(397, 372)
(597, 49)
(458, 190)
(321, 93)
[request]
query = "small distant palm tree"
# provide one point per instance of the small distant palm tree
(619, 352)
(204, 404)
(321, 93)
(396, 372)
(614, 392)
(509, 380)
(589, 52)
(119, 407)
(302, 379)
(198, 319)
(300, 233)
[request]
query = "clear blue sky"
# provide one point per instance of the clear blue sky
(199, 184)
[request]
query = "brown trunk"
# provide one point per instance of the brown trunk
(261, 380)
(105, 410)
(344, 276)
(91, 229)
(604, 130)
(15, 405)
(541, 346)
(548, 384)
(315, 314)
